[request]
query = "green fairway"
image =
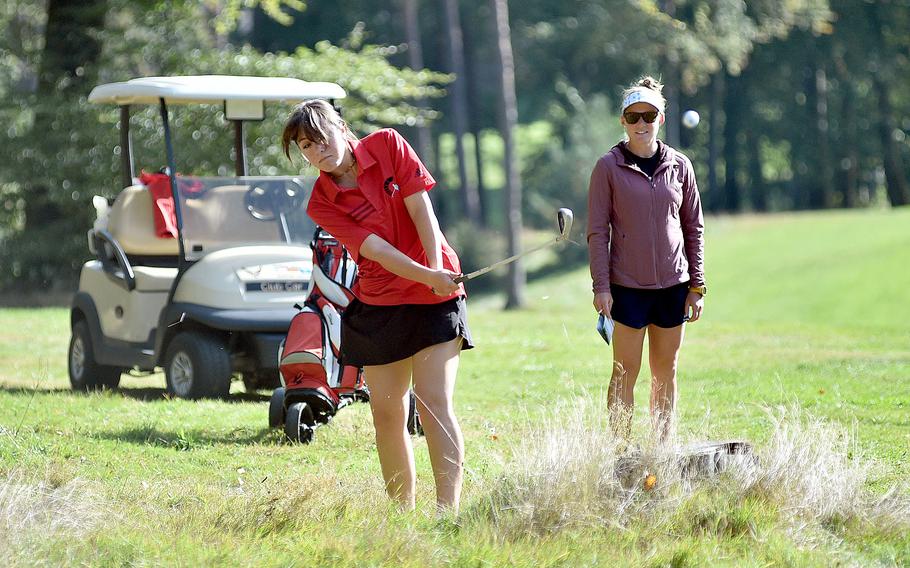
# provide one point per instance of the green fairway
(806, 312)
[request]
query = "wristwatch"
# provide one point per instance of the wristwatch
(703, 290)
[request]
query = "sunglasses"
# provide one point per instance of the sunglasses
(632, 117)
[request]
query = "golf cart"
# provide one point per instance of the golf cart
(214, 297)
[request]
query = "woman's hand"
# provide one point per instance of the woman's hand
(442, 282)
(695, 304)
(603, 303)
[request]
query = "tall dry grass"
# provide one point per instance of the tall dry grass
(31, 512)
(570, 471)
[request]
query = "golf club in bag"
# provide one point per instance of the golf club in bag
(564, 218)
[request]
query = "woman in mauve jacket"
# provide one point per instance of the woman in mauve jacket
(646, 244)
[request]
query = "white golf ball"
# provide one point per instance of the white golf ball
(690, 118)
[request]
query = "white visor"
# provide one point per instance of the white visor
(643, 95)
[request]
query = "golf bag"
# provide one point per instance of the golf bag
(315, 381)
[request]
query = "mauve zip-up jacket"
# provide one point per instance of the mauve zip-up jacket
(645, 232)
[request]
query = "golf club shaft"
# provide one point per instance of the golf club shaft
(504, 261)
(564, 219)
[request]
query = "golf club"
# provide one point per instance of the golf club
(564, 217)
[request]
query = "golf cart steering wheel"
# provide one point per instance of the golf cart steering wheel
(265, 202)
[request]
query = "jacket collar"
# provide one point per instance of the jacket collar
(668, 156)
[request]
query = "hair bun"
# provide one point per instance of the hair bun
(651, 83)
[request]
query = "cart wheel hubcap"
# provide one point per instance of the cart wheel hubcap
(182, 373)
(77, 357)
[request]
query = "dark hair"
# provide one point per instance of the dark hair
(311, 120)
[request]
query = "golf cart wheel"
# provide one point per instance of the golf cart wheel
(299, 424)
(85, 373)
(197, 365)
(276, 408)
(414, 425)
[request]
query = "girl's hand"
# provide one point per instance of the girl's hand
(603, 303)
(442, 282)
(695, 305)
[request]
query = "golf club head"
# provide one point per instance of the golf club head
(565, 217)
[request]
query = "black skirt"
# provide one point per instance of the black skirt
(379, 335)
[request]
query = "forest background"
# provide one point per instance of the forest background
(804, 104)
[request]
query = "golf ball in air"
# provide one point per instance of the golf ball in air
(690, 119)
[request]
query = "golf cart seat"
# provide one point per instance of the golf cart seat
(223, 207)
(132, 223)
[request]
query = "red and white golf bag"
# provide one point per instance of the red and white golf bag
(316, 382)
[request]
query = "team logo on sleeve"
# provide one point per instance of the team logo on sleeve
(390, 187)
(419, 173)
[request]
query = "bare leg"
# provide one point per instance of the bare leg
(435, 369)
(627, 347)
(389, 403)
(663, 353)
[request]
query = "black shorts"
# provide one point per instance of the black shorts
(378, 335)
(636, 307)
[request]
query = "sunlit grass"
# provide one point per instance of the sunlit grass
(793, 355)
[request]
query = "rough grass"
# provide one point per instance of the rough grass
(789, 356)
(68, 509)
(572, 472)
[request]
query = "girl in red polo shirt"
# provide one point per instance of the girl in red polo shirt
(409, 321)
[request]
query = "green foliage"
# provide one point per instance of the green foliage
(78, 155)
(559, 175)
(227, 18)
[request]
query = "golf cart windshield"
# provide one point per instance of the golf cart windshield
(225, 212)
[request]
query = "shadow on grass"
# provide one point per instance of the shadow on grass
(153, 394)
(183, 439)
(145, 394)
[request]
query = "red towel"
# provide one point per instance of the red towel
(163, 200)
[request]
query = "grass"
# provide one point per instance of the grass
(804, 350)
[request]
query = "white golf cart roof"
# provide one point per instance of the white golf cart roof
(192, 89)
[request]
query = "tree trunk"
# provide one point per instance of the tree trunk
(849, 164)
(508, 117)
(469, 199)
(757, 192)
(759, 196)
(847, 156)
(415, 62)
(821, 190)
(732, 117)
(895, 180)
(474, 122)
(714, 201)
(671, 86)
(66, 71)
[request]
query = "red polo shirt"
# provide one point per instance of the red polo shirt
(388, 170)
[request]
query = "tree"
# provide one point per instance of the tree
(508, 116)
(470, 201)
(415, 62)
(895, 175)
(67, 71)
